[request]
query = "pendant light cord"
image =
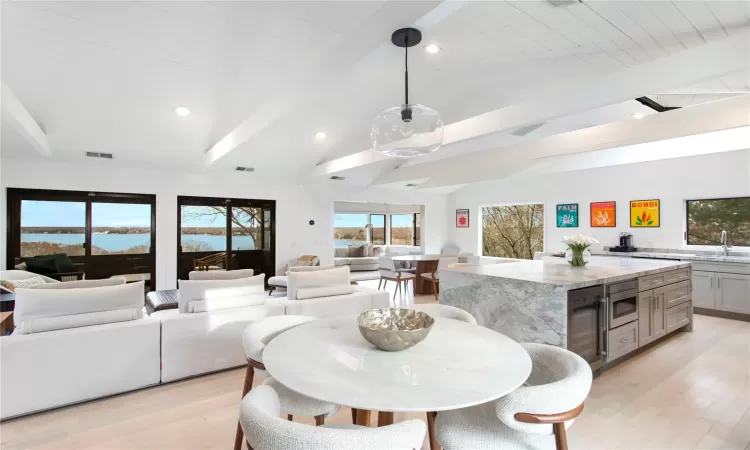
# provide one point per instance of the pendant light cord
(406, 68)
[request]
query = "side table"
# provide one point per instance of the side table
(6, 322)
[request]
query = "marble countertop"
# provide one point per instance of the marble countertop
(680, 256)
(557, 271)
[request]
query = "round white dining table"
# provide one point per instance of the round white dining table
(457, 365)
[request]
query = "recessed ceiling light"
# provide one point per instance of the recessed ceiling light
(182, 111)
(320, 135)
(637, 116)
(432, 48)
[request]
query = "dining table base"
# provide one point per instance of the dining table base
(362, 417)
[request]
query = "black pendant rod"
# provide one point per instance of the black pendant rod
(406, 68)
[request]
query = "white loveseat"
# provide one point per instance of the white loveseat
(204, 334)
(327, 293)
(73, 345)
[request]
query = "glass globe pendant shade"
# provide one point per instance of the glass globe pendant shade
(407, 131)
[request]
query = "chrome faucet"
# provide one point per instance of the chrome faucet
(724, 246)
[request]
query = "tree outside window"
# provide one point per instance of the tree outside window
(513, 231)
(706, 219)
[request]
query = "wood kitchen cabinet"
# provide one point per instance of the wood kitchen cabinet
(729, 292)
(733, 293)
(652, 319)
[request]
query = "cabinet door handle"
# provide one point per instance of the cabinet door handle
(711, 282)
(718, 283)
(653, 303)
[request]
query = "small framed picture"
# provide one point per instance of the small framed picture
(567, 215)
(603, 214)
(644, 213)
(462, 218)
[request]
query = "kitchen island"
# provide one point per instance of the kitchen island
(533, 301)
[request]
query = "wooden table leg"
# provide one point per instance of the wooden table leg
(421, 285)
(385, 418)
(363, 417)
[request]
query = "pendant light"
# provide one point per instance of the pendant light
(408, 130)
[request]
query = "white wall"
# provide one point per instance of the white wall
(672, 181)
(296, 204)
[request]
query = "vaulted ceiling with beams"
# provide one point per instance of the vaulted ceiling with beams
(522, 86)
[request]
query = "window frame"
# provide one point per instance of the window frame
(413, 228)
(371, 235)
(686, 222)
(480, 226)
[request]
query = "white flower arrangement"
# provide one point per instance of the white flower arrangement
(579, 240)
(577, 245)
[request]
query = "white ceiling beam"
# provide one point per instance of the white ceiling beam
(492, 164)
(15, 114)
(681, 69)
(423, 15)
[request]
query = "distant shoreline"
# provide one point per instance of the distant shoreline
(212, 231)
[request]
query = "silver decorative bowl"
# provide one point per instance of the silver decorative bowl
(394, 329)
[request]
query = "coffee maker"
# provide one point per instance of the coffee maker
(626, 244)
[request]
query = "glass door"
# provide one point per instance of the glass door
(225, 234)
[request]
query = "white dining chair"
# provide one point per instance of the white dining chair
(533, 417)
(265, 430)
(389, 272)
(447, 312)
(254, 340)
(434, 277)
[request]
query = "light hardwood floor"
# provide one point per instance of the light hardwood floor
(692, 391)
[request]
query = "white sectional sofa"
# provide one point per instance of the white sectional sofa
(73, 345)
(344, 256)
(204, 334)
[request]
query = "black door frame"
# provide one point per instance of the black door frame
(13, 220)
(189, 200)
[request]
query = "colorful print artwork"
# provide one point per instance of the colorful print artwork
(462, 218)
(603, 214)
(567, 215)
(644, 213)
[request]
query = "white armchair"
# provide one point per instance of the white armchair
(534, 416)
(204, 334)
(73, 345)
(265, 430)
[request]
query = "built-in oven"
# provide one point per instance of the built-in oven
(587, 324)
(622, 299)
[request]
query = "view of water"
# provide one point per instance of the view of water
(120, 242)
(344, 243)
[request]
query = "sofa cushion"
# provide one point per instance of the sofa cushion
(320, 278)
(250, 290)
(278, 281)
(363, 261)
(36, 304)
(12, 285)
(356, 251)
(341, 252)
(44, 266)
(220, 274)
(338, 262)
(324, 291)
(311, 268)
(80, 320)
(81, 284)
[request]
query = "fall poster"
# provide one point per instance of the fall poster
(644, 213)
(462, 218)
(603, 214)
(567, 215)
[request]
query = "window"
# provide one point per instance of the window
(120, 228)
(203, 228)
(246, 222)
(514, 231)
(403, 229)
(377, 235)
(49, 227)
(350, 229)
(417, 230)
(706, 219)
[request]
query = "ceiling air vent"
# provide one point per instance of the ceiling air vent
(411, 185)
(244, 169)
(99, 155)
(335, 177)
(557, 3)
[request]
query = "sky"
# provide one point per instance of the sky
(360, 220)
(73, 214)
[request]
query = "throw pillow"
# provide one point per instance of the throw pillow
(297, 262)
(12, 285)
(356, 251)
(377, 251)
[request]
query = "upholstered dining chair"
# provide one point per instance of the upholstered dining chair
(389, 272)
(434, 277)
(265, 430)
(448, 312)
(534, 416)
(254, 340)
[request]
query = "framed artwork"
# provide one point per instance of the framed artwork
(567, 215)
(462, 218)
(603, 214)
(644, 213)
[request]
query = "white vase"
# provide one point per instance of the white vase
(577, 258)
